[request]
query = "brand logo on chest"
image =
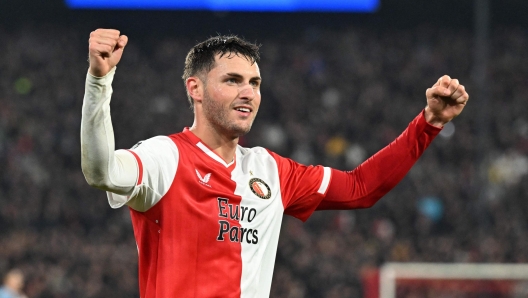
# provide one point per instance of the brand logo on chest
(205, 179)
(260, 188)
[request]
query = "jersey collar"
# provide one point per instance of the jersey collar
(195, 140)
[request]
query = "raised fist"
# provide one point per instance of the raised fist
(445, 100)
(105, 50)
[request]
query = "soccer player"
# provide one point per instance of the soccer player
(207, 212)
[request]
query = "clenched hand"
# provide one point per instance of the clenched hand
(445, 100)
(105, 50)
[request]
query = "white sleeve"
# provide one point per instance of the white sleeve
(157, 160)
(137, 177)
(102, 168)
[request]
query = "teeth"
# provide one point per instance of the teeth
(243, 110)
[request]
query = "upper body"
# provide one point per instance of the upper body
(207, 212)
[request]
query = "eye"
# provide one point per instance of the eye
(255, 83)
(231, 80)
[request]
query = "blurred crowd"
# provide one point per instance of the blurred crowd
(329, 97)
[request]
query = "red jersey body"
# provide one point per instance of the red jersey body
(214, 230)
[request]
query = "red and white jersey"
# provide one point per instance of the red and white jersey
(205, 228)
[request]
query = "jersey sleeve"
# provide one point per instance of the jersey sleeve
(157, 160)
(302, 187)
(365, 185)
(102, 166)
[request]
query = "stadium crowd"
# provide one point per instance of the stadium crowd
(329, 97)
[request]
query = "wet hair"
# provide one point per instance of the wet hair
(201, 58)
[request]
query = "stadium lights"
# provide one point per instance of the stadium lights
(231, 5)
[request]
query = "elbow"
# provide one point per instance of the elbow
(96, 183)
(371, 204)
(373, 198)
(366, 203)
(94, 180)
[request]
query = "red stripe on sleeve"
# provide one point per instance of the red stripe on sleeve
(140, 166)
(365, 185)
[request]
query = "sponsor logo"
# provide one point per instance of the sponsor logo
(231, 216)
(205, 179)
(260, 188)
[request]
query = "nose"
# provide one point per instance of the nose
(246, 92)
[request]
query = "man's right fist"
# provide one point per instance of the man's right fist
(105, 50)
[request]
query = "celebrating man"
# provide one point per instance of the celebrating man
(207, 212)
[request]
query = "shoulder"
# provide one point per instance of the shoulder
(157, 141)
(261, 155)
(156, 147)
(259, 151)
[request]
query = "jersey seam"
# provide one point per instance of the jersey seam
(143, 205)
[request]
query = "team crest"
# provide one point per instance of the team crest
(260, 188)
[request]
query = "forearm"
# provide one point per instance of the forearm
(101, 165)
(365, 185)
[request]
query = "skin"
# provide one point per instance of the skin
(235, 82)
(445, 100)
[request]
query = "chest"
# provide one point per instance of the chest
(251, 181)
(231, 202)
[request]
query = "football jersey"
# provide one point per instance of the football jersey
(207, 228)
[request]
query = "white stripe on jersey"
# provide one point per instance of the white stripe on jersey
(326, 180)
(258, 261)
(213, 155)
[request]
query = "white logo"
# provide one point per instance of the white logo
(204, 179)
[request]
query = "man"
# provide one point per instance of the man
(206, 212)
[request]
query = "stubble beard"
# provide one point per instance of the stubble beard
(218, 117)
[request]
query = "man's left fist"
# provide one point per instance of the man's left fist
(445, 100)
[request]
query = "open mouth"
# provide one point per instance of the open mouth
(243, 110)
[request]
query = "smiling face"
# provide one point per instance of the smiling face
(231, 96)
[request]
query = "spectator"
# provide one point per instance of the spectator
(13, 285)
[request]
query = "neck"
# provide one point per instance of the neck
(221, 144)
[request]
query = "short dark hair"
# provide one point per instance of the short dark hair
(201, 58)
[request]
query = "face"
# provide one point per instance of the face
(231, 95)
(15, 281)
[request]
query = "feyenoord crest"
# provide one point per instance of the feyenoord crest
(260, 188)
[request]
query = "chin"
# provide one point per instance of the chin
(240, 131)
(241, 128)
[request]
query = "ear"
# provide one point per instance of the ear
(195, 88)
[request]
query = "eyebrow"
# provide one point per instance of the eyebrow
(239, 76)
